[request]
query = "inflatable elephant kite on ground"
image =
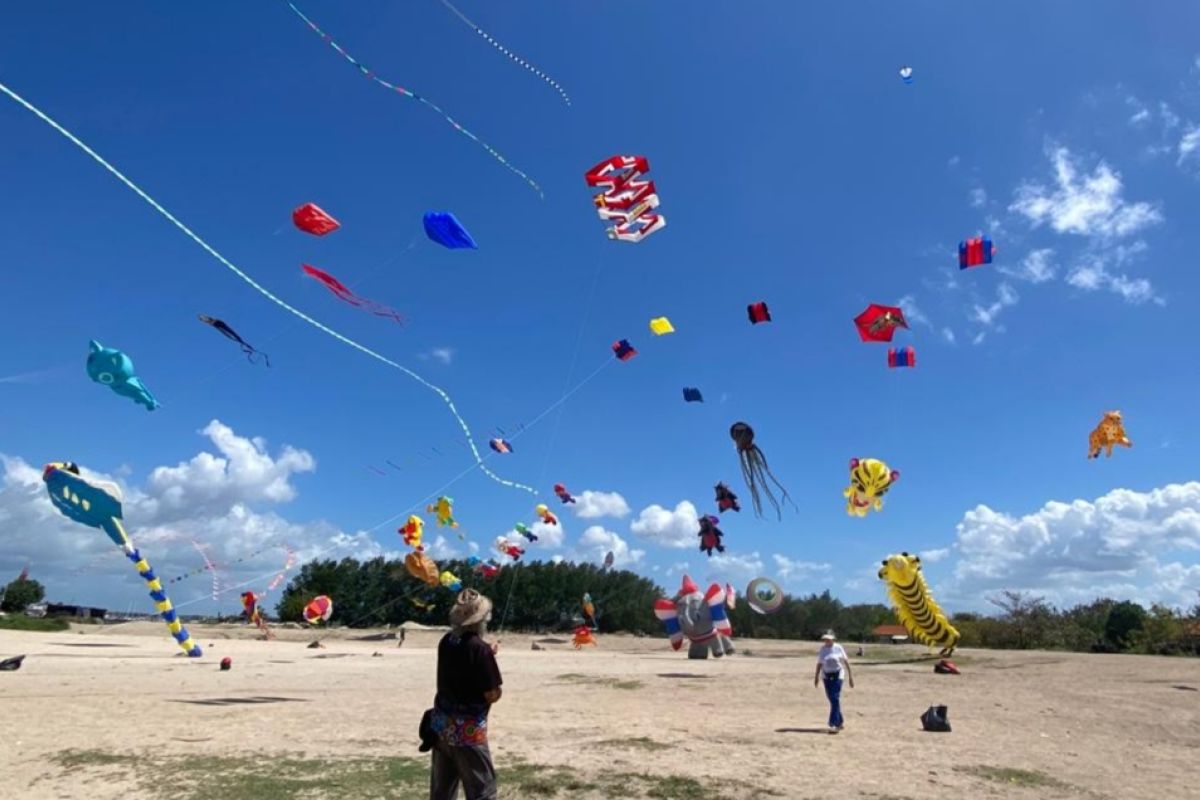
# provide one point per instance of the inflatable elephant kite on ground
(699, 617)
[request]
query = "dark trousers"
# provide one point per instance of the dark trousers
(833, 690)
(470, 766)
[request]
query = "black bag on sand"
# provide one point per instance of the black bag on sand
(936, 720)
(425, 731)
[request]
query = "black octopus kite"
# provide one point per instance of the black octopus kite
(230, 333)
(755, 469)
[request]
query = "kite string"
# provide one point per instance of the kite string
(510, 54)
(413, 95)
(261, 289)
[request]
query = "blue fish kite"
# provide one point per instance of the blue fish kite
(114, 369)
(93, 503)
(443, 228)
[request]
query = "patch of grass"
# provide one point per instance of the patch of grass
(520, 779)
(77, 759)
(20, 622)
(638, 742)
(1015, 777)
(593, 680)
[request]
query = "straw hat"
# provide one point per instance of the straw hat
(470, 608)
(828, 636)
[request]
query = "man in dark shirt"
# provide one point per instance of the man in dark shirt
(468, 683)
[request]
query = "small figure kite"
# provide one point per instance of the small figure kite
(623, 350)
(488, 569)
(730, 597)
(412, 531)
(508, 548)
(319, 610)
(445, 229)
(878, 323)
(544, 512)
(906, 74)
(450, 581)
(710, 535)
(589, 611)
(443, 509)
(583, 635)
(422, 567)
(230, 333)
(311, 219)
(870, 480)
(692, 395)
(726, 500)
(563, 494)
(661, 326)
(758, 312)
(253, 614)
(974, 252)
(608, 561)
(500, 445)
(1110, 432)
(755, 469)
(902, 357)
(523, 529)
(114, 369)
(342, 292)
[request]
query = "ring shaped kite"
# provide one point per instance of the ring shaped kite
(116, 173)
(764, 596)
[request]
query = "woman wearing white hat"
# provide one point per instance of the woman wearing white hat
(468, 683)
(832, 663)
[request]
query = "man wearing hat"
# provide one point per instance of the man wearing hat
(468, 683)
(833, 664)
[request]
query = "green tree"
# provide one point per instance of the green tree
(1163, 632)
(1124, 619)
(22, 593)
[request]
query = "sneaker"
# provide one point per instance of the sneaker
(833, 731)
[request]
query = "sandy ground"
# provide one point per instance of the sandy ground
(1110, 726)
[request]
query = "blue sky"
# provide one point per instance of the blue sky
(793, 167)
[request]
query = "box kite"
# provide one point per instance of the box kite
(758, 312)
(661, 325)
(692, 395)
(902, 357)
(311, 219)
(878, 323)
(974, 252)
(623, 350)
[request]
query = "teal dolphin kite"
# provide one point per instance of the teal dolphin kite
(114, 369)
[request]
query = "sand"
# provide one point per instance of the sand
(752, 724)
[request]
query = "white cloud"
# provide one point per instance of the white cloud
(1094, 274)
(442, 354)
(596, 543)
(977, 197)
(1188, 143)
(1170, 118)
(1036, 267)
(1005, 296)
(550, 536)
(592, 505)
(1090, 205)
(209, 499)
(678, 528)
(934, 556)
(789, 568)
(735, 568)
(953, 161)
(1125, 544)
(979, 337)
(913, 314)
(1140, 117)
(949, 336)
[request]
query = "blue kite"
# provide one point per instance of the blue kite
(443, 228)
(114, 369)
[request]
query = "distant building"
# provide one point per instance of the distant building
(82, 612)
(890, 633)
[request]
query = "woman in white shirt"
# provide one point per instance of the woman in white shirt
(832, 664)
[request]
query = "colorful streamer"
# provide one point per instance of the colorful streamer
(462, 423)
(413, 95)
(343, 293)
(208, 565)
(510, 54)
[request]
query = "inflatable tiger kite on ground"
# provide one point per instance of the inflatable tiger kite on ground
(915, 607)
(1110, 432)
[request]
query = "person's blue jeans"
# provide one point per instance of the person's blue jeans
(833, 690)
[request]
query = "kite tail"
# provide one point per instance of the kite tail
(767, 469)
(163, 603)
(116, 173)
(413, 95)
(510, 54)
